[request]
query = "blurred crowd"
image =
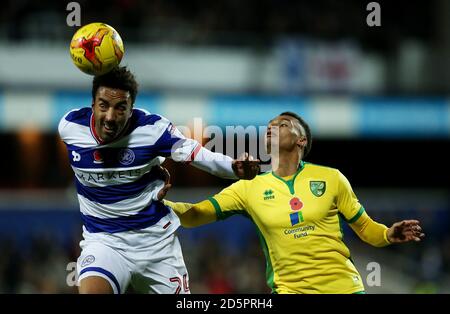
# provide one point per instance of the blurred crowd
(222, 22)
(39, 267)
(217, 264)
(45, 266)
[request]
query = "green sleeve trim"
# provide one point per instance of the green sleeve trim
(223, 215)
(356, 217)
(216, 205)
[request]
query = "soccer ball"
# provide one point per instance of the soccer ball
(96, 48)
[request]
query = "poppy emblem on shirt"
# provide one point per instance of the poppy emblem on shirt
(297, 216)
(296, 203)
(98, 158)
(126, 156)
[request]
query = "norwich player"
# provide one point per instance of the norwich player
(298, 209)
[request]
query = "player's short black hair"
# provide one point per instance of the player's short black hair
(120, 78)
(305, 127)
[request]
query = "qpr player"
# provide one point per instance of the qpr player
(115, 151)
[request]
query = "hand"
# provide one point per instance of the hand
(163, 174)
(405, 231)
(246, 167)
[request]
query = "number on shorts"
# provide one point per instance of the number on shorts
(182, 284)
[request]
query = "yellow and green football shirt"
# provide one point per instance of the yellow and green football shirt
(299, 222)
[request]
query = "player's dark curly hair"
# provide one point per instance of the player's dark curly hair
(120, 78)
(305, 127)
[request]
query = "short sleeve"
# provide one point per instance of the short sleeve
(231, 200)
(347, 202)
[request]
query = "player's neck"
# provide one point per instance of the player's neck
(286, 163)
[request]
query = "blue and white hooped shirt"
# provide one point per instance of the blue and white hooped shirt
(115, 183)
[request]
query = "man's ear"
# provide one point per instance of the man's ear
(131, 111)
(92, 105)
(302, 142)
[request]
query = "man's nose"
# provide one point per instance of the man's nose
(110, 115)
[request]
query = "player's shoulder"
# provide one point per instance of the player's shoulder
(143, 117)
(258, 183)
(81, 116)
(262, 176)
(257, 180)
(76, 118)
(320, 170)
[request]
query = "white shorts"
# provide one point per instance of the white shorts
(150, 259)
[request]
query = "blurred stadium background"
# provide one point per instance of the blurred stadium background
(377, 99)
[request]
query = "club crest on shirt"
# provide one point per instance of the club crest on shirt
(317, 187)
(126, 156)
(88, 260)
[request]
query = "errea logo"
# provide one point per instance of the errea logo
(268, 195)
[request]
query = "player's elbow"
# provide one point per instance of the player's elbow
(194, 218)
(190, 219)
(378, 242)
(186, 223)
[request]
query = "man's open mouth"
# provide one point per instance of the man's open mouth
(109, 129)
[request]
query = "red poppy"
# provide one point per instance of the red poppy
(98, 156)
(296, 203)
